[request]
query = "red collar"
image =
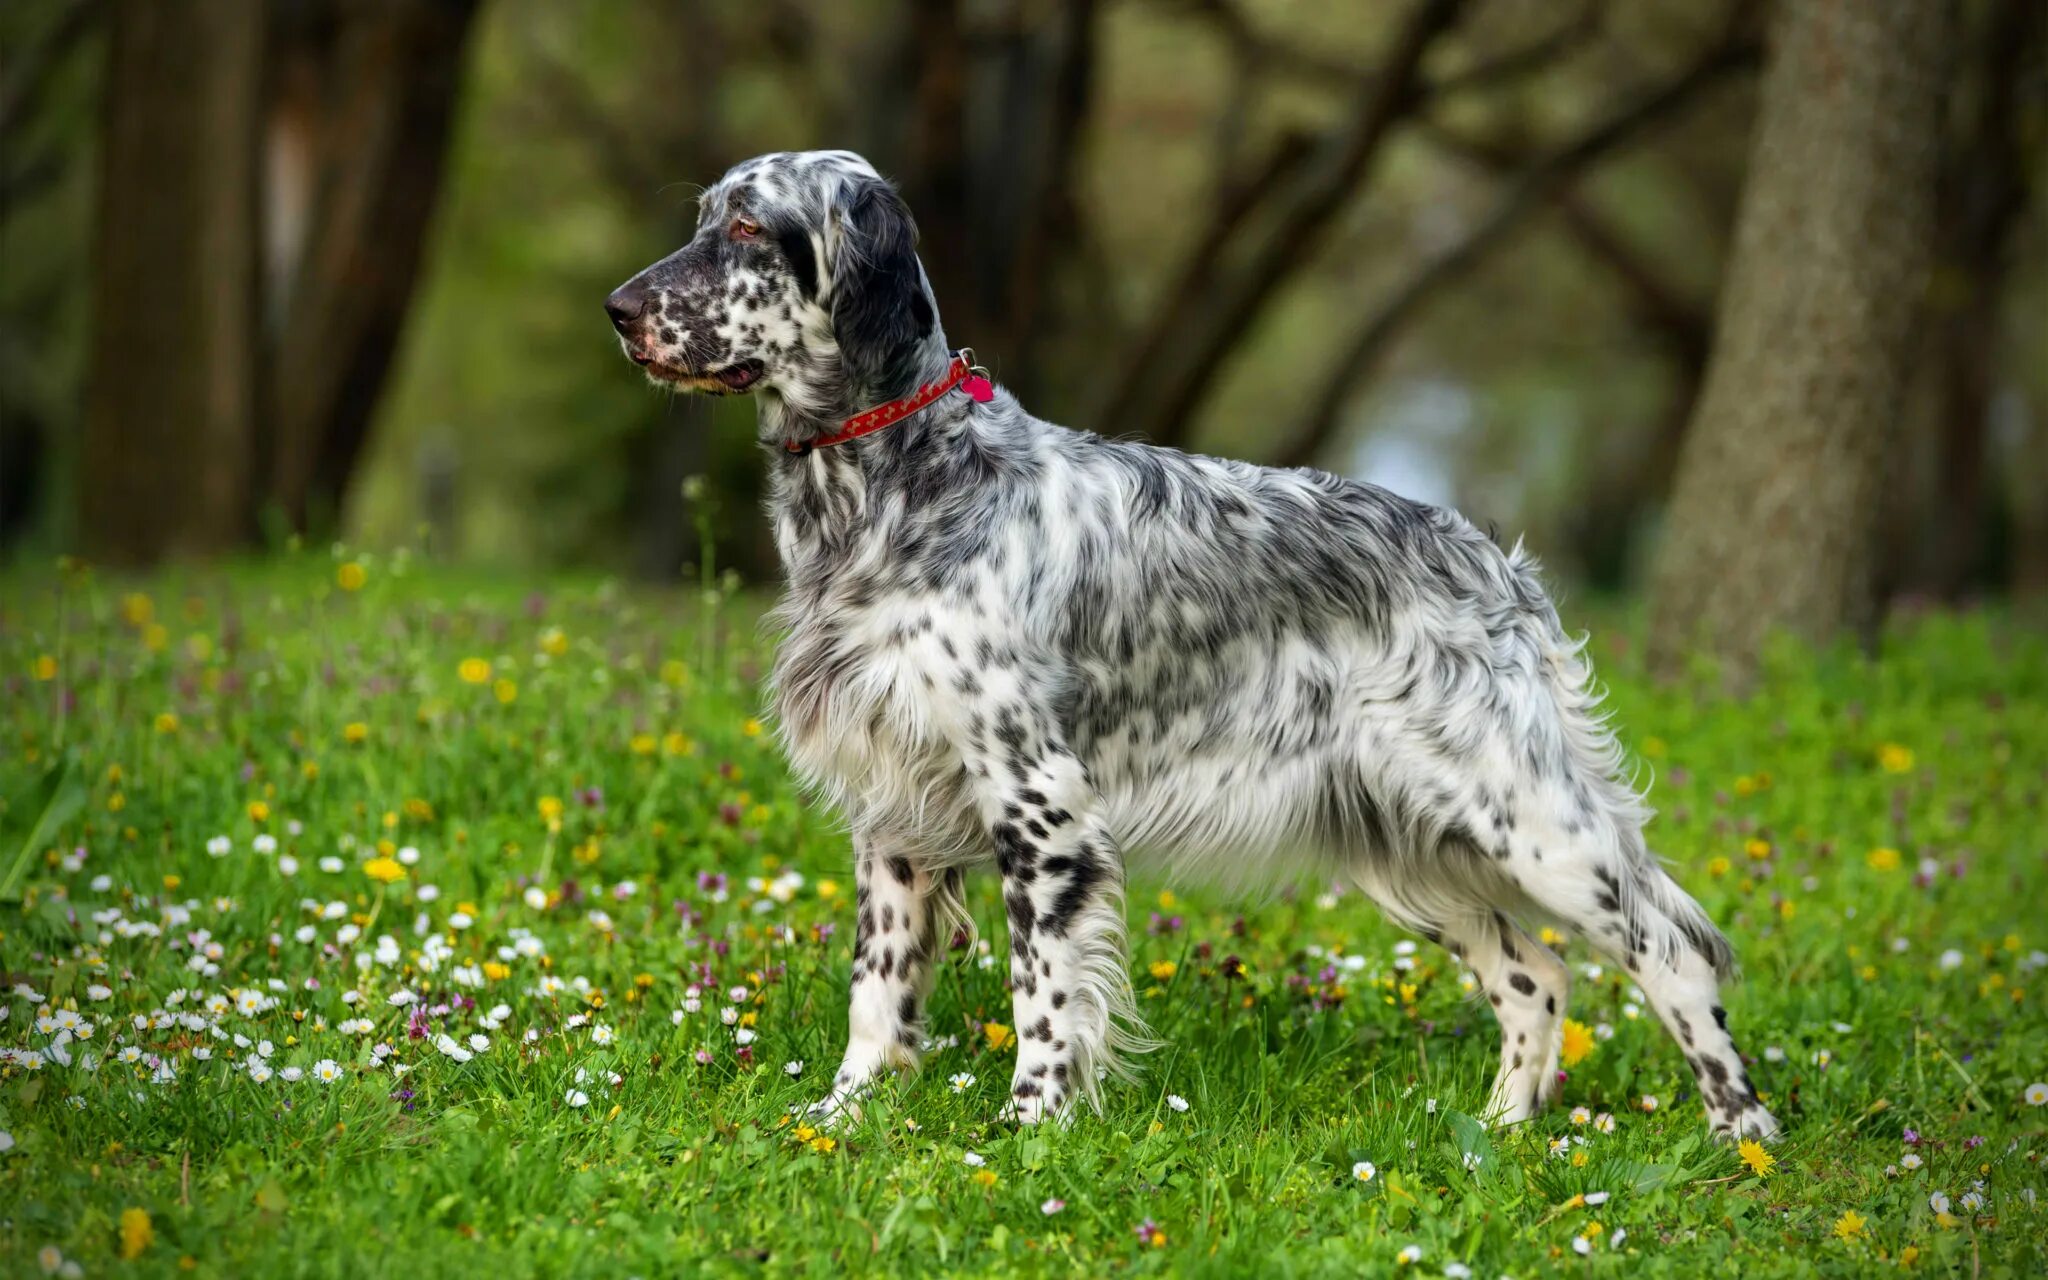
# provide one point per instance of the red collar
(962, 369)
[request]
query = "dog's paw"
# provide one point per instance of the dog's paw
(1751, 1122)
(1025, 1112)
(1030, 1109)
(837, 1112)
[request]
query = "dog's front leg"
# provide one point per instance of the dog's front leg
(894, 945)
(1063, 893)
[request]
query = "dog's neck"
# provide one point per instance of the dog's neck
(823, 501)
(817, 405)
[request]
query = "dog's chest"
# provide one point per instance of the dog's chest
(865, 709)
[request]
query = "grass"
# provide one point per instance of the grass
(560, 802)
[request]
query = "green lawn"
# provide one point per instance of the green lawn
(544, 815)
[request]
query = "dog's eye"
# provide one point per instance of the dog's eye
(744, 229)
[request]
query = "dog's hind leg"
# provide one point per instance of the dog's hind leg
(895, 945)
(1526, 986)
(1590, 872)
(1639, 917)
(1519, 978)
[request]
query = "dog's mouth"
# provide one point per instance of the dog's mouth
(731, 379)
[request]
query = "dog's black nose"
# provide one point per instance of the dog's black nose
(626, 304)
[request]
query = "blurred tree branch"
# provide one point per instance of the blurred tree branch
(1221, 290)
(1133, 399)
(1683, 324)
(30, 68)
(21, 91)
(1526, 194)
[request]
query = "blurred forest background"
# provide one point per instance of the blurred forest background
(1698, 295)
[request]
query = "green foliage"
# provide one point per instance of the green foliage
(575, 765)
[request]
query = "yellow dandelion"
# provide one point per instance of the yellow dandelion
(1893, 758)
(985, 1177)
(474, 670)
(355, 732)
(642, 744)
(1758, 850)
(505, 690)
(1850, 1225)
(156, 637)
(385, 870)
(1162, 970)
(1760, 1161)
(1882, 859)
(998, 1034)
(137, 610)
(828, 888)
(45, 667)
(1718, 867)
(1167, 901)
(1578, 1043)
(752, 728)
(259, 812)
(553, 643)
(136, 1232)
(550, 808)
(351, 576)
(166, 722)
(497, 970)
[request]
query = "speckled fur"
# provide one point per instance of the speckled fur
(1017, 644)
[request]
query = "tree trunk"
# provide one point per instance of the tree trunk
(171, 384)
(367, 98)
(1986, 186)
(1775, 518)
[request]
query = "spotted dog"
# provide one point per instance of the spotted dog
(1015, 643)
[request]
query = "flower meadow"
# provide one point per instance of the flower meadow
(360, 916)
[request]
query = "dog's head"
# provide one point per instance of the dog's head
(802, 280)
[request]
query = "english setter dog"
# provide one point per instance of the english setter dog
(1015, 642)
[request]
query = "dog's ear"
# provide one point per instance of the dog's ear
(881, 305)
